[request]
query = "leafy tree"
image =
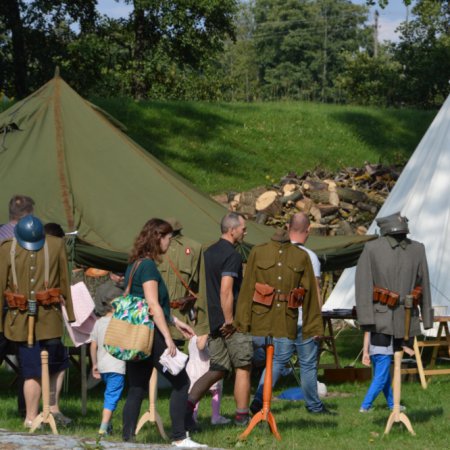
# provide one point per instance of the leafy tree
(300, 44)
(37, 31)
(424, 54)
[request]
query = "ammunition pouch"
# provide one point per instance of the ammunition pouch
(16, 301)
(385, 296)
(184, 304)
(49, 296)
(264, 294)
(417, 295)
(296, 296)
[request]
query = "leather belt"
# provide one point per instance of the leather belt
(279, 297)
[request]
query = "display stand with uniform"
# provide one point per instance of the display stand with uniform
(391, 284)
(34, 281)
(279, 278)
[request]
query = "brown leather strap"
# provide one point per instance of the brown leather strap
(178, 274)
(281, 297)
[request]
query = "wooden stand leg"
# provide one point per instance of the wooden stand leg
(45, 416)
(396, 415)
(265, 414)
(152, 415)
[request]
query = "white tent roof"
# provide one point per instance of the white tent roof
(422, 194)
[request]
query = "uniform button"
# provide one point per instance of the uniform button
(32, 280)
(278, 305)
(280, 277)
(31, 292)
(279, 264)
(32, 255)
(279, 291)
(32, 267)
(280, 251)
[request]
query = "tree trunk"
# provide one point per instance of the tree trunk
(139, 88)
(11, 13)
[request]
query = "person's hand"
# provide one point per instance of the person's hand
(171, 347)
(95, 372)
(184, 328)
(366, 359)
(227, 329)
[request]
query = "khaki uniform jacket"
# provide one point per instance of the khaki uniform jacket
(283, 266)
(186, 256)
(30, 278)
(399, 267)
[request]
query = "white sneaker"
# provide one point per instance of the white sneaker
(220, 421)
(188, 443)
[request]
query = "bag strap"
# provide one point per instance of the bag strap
(177, 273)
(136, 264)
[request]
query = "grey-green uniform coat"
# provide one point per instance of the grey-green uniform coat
(186, 256)
(398, 266)
(49, 322)
(284, 267)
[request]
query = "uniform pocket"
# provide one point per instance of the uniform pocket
(265, 264)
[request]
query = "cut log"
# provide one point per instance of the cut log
(361, 230)
(316, 229)
(289, 188)
(351, 195)
(293, 197)
(326, 210)
(314, 185)
(304, 205)
(366, 207)
(265, 200)
(319, 196)
(315, 213)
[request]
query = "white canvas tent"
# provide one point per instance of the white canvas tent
(422, 194)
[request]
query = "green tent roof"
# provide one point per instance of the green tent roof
(87, 175)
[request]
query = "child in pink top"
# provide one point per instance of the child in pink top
(198, 365)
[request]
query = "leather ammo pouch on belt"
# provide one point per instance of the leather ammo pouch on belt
(49, 296)
(16, 301)
(417, 295)
(296, 296)
(385, 296)
(183, 303)
(263, 294)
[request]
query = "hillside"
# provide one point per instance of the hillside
(234, 147)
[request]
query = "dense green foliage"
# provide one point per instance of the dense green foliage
(228, 50)
(237, 146)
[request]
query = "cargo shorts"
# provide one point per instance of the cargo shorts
(233, 352)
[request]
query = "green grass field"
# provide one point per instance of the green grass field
(428, 410)
(223, 147)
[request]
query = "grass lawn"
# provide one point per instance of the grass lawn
(428, 411)
(223, 147)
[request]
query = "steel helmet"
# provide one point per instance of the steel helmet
(29, 233)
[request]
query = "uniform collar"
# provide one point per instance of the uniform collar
(393, 242)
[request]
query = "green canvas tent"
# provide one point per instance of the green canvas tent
(86, 174)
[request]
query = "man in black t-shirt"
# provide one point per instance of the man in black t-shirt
(228, 349)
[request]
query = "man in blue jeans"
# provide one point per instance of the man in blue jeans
(307, 349)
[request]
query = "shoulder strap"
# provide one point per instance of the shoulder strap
(136, 264)
(12, 254)
(177, 273)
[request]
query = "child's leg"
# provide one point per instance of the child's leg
(387, 390)
(195, 412)
(216, 397)
(114, 387)
(380, 370)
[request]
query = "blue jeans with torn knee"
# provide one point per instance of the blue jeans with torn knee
(307, 350)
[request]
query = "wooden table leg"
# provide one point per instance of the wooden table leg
(423, 380)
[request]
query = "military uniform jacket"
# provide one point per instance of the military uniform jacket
(30, 278)
(186, 256)
(399, 267)
(284, 267)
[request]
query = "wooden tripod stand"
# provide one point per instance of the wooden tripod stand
(45, 416)
(265, 414)
(152, 415)
(396, 415)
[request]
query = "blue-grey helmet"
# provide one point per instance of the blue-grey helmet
(29, 233)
